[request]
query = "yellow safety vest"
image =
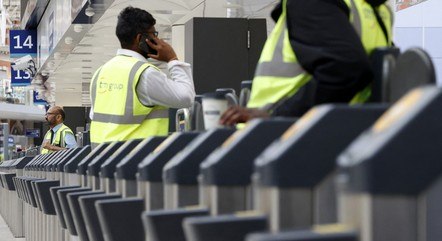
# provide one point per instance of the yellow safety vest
(279, 75)
(118, 113)
(58, 139)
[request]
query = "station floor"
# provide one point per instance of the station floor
(5, 233)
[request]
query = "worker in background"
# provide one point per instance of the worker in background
(130, 96)
(59, 136)
(317, 53)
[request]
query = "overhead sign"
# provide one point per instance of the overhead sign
(39, 101)
(23, 42)
(20, 78)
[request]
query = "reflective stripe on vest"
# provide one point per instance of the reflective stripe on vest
(279, 75)
(58, 139)
(118, 113)
(128, 117)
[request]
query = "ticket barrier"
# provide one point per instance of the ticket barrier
(70, 200)
(180, 174)
(43, 222)
(93, 168)
(226, 183)
(24, 190)
(52, 172)
(150, 192)
(49, 176)
(389, 179)
(295, 176)
(307, 235)
(181, 188)
(34, 219)
(107, 170)
(391, 175)
(125, 169)
(70, 204)
(81, 168)
(61, 195)
(11, 207)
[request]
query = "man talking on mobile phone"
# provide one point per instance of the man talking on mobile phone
(130, 97)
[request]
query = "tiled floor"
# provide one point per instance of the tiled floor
(5, 233)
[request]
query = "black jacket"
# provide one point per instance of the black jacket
(328, 47)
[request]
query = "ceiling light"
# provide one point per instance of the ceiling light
(89, 11)
(78, 28)
(57, 55)
(68, 40)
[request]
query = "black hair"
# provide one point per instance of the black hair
(132, 21)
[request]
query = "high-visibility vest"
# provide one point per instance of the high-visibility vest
(279, 75)
(118, 113)
(58, 139)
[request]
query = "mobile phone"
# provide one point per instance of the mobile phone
(145, 47)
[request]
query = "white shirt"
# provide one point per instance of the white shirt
(155, 87)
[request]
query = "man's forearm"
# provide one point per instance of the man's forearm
(54, 148)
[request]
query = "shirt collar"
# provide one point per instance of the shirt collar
(131, 53)
(57, 127)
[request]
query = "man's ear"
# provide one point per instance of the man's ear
(138, 38)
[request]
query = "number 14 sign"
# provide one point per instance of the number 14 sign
(22, 42)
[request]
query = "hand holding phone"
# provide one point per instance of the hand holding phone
(145, 47)
(164, 53)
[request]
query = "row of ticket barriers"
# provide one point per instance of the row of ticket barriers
(339, 173)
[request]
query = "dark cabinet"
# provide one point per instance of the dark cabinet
(223, 51)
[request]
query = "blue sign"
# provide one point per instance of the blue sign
(35, 133)
(23, 42)
(20, 78)
(10, 140)
(39, 101)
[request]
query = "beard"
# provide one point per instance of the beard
(376, 2)
(49, 121)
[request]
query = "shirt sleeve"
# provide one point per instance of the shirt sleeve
(156, 88)
(70, 141)
(327, 47)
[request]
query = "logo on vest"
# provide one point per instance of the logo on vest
(104, 87)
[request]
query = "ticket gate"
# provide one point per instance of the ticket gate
(150, 192)
(226, 183)
(50, 173)
(11, 207)
(85, 216)
(181, 188)
(226, 172)
(70, 176)
(390, 178)
(128, 167)
(295, 176)
(150, 170)
(308, 235)
(181, 172)
(93, 168)
(81, 169)
(108, 168)
(76, 225)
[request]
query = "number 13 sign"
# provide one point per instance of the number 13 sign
(23, 42)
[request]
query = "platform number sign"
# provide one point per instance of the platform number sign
(23, 42)
(20, 78)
